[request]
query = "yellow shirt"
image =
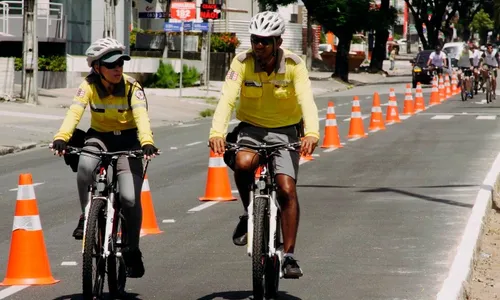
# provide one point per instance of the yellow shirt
(280, 99)
(109, 112)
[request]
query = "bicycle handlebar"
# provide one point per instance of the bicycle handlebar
(133, 153)
(263, 147)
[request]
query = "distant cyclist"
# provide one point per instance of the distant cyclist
(491, 59)
(476, 60)
(437, 59)
(275, 95)
(119, 122)
(465, 63)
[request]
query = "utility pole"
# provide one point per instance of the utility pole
(126, 21)
(29, 90)
(109, 19)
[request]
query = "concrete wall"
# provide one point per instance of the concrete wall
(46, 80)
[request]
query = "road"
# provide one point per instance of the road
(381, 217)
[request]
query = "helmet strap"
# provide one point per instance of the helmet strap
(101, 75)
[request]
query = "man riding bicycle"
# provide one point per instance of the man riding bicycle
(119, 122)
(491, 59)
(465, 63)
(476, 59)
(438, 60)
(275, 96)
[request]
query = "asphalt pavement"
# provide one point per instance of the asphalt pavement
(380, 217)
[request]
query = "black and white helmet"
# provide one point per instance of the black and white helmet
(267, 23)
(102, 47)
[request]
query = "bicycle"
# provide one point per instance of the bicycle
(489, 83)
(478, 80)
(105, 232)
(264, 222)
(466, 76)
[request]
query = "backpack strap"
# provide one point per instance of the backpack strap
(134, 84)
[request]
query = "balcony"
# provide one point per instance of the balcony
(51, 21)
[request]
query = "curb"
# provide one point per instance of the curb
(4, 150)
(456, 284)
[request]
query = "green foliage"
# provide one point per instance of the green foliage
(207, 112)
(166, 77)
(322, 38)
(133, 35)
(49, 63)
(224, 42)
(481, 22)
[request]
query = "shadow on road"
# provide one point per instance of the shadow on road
(128, 296)
(243, 295)
(406, 193)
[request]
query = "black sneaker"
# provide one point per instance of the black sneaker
(78, 232)
(240, 232)
(291, 269)
(133, 262)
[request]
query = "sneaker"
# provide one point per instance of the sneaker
(240, 232)
(291, 269)
(78, 232)
(133, 262)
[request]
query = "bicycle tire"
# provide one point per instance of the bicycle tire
(488, 91)
(463, 90)
(259, 249)
(117, 277)
(95, 226)
(273, 265)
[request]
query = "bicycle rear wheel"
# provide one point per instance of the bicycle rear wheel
(94, 264)
(259, 247)
(488, 91)
(116, 265)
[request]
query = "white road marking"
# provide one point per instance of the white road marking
(462, 264)
(30, 115)
(315, 155)
(173, 148)
(374, 130)
(168, 221)
(69, 263)
(404, 117)
(362, 117)
(486, 117)
(188, 125)
(235, 191)
(465, 189)
(202, 206)
(11, 290)
(330, 150)
(321, 119)
(194, 143)
(354, 139)
(303, 161)
(442, 117)
(34, 184)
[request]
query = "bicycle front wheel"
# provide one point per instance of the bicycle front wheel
(463, 90)
(259, 247)
(488, 91)
(116, 265)
(94, 264)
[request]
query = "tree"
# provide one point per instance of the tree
(466, 10)
(380, 20)
(440, 10)
(481, 23)
(343, 18)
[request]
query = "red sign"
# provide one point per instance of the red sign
(210, 11)
(183, 11)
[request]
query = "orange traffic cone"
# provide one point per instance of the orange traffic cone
(435, 95)
(419, 99)
(218, 187)
(392, 114)
(409, 106)
(356, 127)
(376, 120)
(332, 137)
(149, 225)
(454, 83)
(28, 260)
(442, 93)
(447, 86)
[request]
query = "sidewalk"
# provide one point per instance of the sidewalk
(26, 126)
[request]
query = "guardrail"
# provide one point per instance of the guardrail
(50, 12)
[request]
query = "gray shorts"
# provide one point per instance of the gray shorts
(286, 162)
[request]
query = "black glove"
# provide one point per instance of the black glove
(149, 150)
(59, 146)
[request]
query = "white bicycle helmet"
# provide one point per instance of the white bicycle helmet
(267, 23)
(105, 47)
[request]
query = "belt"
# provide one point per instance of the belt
(116, 132)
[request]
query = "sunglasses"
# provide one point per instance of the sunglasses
(261, 40)
(118, 63)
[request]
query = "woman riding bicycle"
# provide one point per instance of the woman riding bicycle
(119, 122)
(465, 63)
